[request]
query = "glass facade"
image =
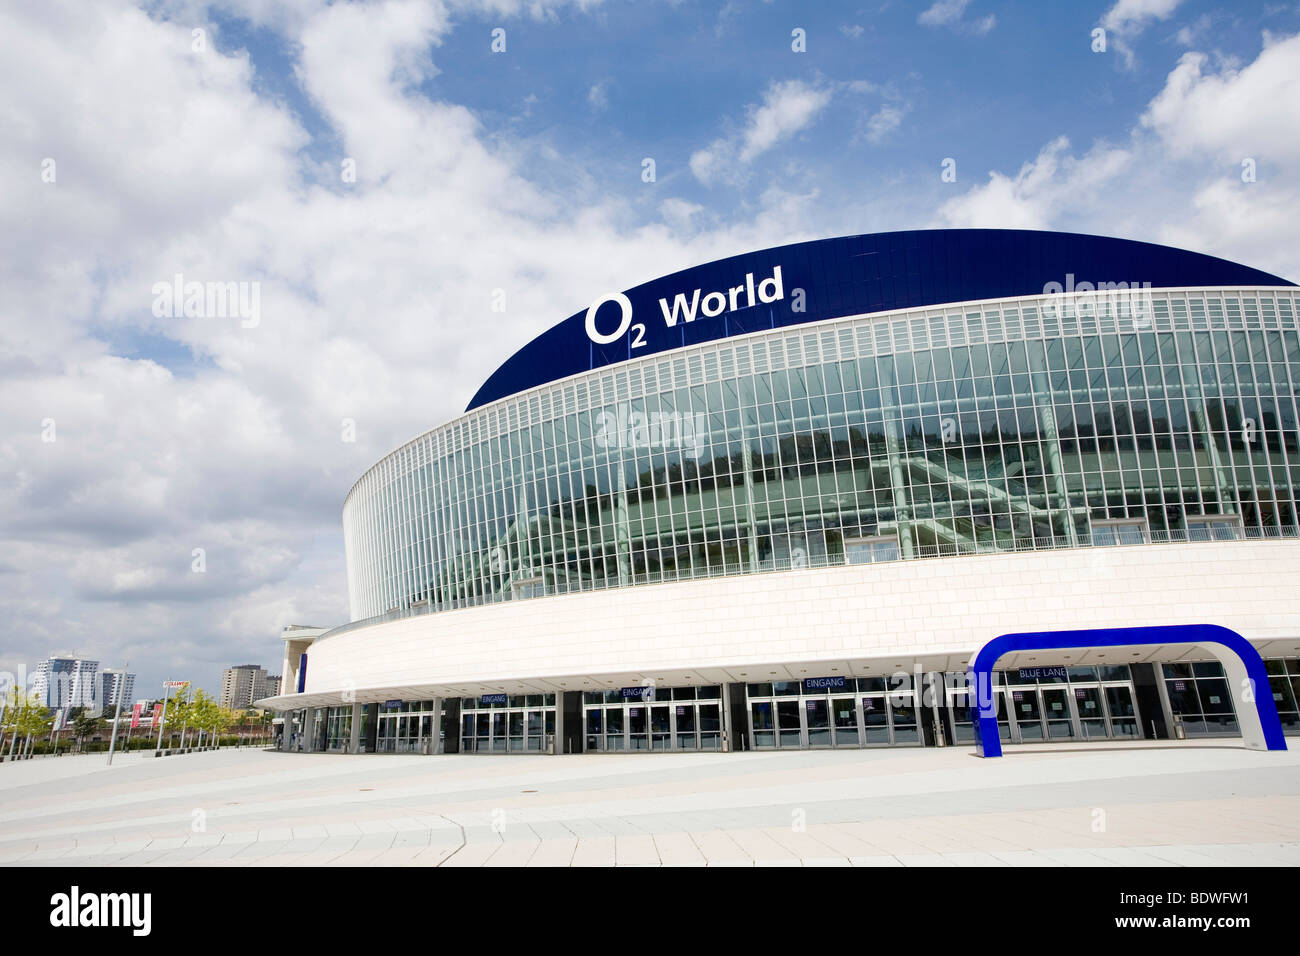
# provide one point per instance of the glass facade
(410, 727)
(861, 712)
(1066, 703)
(958, 429)
(1284, 681)
(518, 723)
(1199, 697)
(338, 728)
(1079, 703)
(669, 718)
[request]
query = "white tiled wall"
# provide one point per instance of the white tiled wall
(949, 605)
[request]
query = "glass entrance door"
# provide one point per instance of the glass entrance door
(684, 724)
(1028, 715)
(536, 729)
(1056, 712)
(875, 721)
(789, 732)
(762, 724)
(818, 721)
(902, 712)
(844, 713)
(1123, 715)
(660, 728)
(958, 710)
(1076, 703)
(678, 718)
(1092, 717)
(615, 728)
(523, 724)
(821, 717)
(638, 728)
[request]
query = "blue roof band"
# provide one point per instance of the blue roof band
(851, 275)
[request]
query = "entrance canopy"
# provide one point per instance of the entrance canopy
(1244, 668)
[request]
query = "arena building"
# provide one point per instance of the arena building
(779, 501)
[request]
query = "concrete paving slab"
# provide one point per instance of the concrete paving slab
(1081, 805)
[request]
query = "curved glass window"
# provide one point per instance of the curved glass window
(1002, 426)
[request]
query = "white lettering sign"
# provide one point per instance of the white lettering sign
(686, 308)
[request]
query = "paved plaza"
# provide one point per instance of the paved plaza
(1171, 804)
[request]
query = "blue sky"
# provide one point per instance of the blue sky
(479, 173)
(672, 76)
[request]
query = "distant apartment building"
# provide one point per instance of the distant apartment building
(67, 681)
(116, 684)
(245, 683)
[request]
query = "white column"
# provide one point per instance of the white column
(725, 716)
(435, 725)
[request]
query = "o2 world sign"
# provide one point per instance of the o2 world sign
(700, 304)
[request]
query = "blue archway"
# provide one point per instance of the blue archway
(1260, 727)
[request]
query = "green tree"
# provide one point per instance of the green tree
(9, 722)
(26, 716)
(178, 714)
(83, 725)
(203, 713)
(226, 718)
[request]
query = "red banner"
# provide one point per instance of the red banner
(135, 714)
(157, 711)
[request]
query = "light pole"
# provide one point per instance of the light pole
(162, 718)
(112, 741)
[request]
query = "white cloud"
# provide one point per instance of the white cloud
(1127, 19)
(951, 13)
(884, 121)
(943, 13)
(1234, 113)
(1035, 196)
(375, 301)
(1191, 34)
(376, 294)
(1133, 16)
(786, 109)
(598, 97)
(680, 215)
(1178, 180)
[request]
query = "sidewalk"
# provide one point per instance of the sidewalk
(1102, 804)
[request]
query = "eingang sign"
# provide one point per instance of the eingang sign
(813, 685)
